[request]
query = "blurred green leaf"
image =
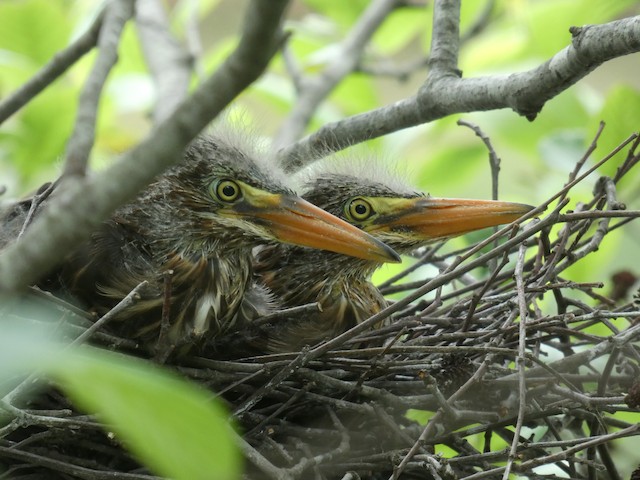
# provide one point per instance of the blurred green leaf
(29, 335)
(549, 21)
(562, 149)
(620, 114)
(447, 169)
(343, 13)
(470, 12)
(420, 416)
(499, 49)
(42, 132)
(355, 93)
(36, 29)
(176, 429)
(302, 45)
(401, 27)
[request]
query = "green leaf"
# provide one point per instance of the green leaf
(562, 149)
(420, 416)
(41, 133)
(29, 336)
(173, 427)
(36, 29)
(448, 169)
(343, 13)
(620, 114)
(355, 94)
(549, 21)
(399, 28)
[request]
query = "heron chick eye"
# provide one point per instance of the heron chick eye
(358, 209)
(225, 190)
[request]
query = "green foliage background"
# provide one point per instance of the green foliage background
(443, 158)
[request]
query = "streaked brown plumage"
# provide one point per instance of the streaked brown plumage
(402, 218)
(190, 235)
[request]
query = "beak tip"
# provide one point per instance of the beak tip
(526, 208)
(393, 256)
(383, 253)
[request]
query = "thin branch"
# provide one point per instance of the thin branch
(80, 144)
(313, 90)
(525, 93)
(403, 71)
(67, 468)
(445, 40)
(59, 64)
(131, 298)
(599, 440)
(169, 63)
(268, 469)
(80, 208)
(520, 363)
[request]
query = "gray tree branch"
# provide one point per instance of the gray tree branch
(445, 40)
(169, 63)
(81, 141)
(81, 206)
(442, 95)
(313, 90)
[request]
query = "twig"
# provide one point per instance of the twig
(36, 201)
(118, 13)
(168, 62)
(313, 90)
(52, 70)
(525, 92)
(82, 206)
(445, 40)
(68, 468)
(520, 363)
(287, 312)
(132, 297)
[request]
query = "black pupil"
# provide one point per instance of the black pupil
(228, 190)
(360, 209)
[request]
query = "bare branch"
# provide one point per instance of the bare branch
(81, 207)
(440, 96)
(52, 70)
(520, 362)
(445, 40)
(313, 90)
(169, 63)
(80, 144)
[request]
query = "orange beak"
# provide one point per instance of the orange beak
(433, 218)
(294, 220)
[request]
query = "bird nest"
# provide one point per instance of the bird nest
(495, 364)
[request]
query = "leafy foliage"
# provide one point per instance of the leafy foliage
(139, 402)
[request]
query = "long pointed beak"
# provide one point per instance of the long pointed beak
(294, 220)
(433, 218)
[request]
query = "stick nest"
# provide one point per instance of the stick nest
(496, 364)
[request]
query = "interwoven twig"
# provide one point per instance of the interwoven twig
(503, 351)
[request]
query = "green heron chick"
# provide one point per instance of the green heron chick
(387, 209)
(190, 235)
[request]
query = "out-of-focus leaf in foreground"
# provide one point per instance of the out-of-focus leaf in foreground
(172, 426)
(169, 424)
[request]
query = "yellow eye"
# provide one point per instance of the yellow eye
(359, 209)
(225, 190)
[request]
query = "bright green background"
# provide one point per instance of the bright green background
(444, 159)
